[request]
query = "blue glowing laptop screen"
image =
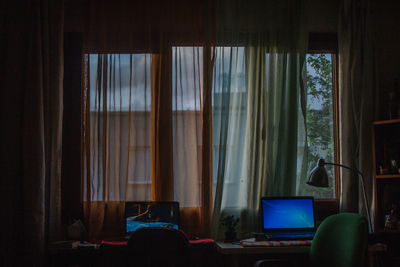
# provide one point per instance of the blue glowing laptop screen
(293, 213)
(151, 214)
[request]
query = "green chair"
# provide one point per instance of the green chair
(340, 241)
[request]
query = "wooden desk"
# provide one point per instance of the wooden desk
(65, 257)
(229, 248)
(200, 255)
(236, 255)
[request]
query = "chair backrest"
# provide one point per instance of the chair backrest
(340, 241)
(158, 246)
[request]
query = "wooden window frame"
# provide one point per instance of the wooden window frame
(328, 43)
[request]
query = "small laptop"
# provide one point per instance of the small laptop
(288, 218)
(139, 214)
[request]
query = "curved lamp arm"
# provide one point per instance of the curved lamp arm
(318, 177)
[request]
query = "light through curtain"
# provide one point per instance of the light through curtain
(116, 135)
(229, 102)
(173, 32)
(259, 104)
(187, 107)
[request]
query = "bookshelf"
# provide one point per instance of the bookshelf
(386, 160)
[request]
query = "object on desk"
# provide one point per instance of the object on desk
(139, 214)
(283, 243)
(230, 223)
(114, 243)
(87, 245)
(202, 241)
(260, 236)
(288, 218)
(76, 230)
(64, 244)
(191, 242)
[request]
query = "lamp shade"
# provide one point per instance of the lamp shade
(318, 176)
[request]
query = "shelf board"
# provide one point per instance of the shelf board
(387, 176)
(386, 122)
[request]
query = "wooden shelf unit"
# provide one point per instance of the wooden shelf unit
(386, 148)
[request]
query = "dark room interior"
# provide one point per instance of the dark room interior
(154, 133)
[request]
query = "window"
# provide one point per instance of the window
(320, 118)
(322, 110)
(119, 89)
(230, 77)
(117, 130)
(119, 105)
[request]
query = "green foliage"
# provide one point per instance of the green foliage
(229, 222)
(320, 113)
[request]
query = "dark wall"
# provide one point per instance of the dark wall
(11, 117)
(386, 33)
(71, 152)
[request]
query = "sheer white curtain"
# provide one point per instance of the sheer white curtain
(174, 32)
(230, 126)
(259, 104)
(259, 129)
(117, 167)
(187, 91)
(116, 134)
(187, 108)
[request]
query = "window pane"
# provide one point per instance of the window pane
(187, 78)
(320, 119)
(125, 79)
(118, 96)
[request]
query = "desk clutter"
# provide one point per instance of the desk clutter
(191, 242)
(251, 242)
(64, 244)
(73, 244)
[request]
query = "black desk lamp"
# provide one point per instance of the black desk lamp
(319, 177)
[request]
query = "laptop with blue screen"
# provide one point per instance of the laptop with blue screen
(288, 218)
(139, 214)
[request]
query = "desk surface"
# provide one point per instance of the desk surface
(229, 248)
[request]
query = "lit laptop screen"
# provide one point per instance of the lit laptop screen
(151, 214)
(296, 213)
